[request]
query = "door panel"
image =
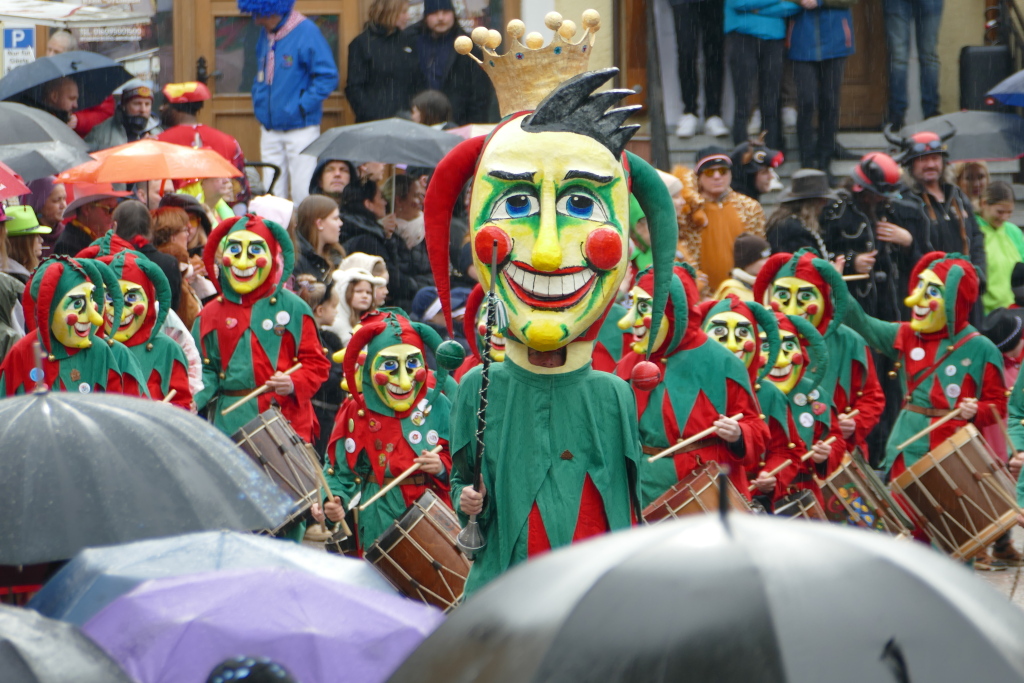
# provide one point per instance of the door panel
(866, 82)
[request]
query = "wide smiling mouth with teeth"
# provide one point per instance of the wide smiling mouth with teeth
(639, 332)
(243, 274)
(921, 312)
(497, 343)
(82, 329)
(396, 393)
(557, 289)
(781, 374)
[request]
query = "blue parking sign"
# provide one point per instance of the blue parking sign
(19, 38)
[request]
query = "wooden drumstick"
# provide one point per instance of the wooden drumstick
(330, 496)
(930, 428)
(857, 276)
(170, 394)
(686, 442)
(803, 458)
(850, 415)
(262, 390)
(395, 482)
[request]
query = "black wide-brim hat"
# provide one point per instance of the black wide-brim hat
(808, 183)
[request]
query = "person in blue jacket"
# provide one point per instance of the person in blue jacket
(820, 40)
(755, 32)
(295, 73)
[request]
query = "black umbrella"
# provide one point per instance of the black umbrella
(980, 135)
(34, 649)
(97, 77)
(97, 469)
(758, 599)
(37, 144)
(389, 141)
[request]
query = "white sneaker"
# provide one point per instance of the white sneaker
(715, 127)
(686, 127)
(754, 127)
(789, 119)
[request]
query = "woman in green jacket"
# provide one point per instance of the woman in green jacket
(1004, 244)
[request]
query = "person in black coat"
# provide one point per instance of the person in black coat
(464, 83)
(794, 225)
(383, 70)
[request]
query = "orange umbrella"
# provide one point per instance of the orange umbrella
(147, 160)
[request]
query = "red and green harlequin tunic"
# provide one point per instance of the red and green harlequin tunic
(83, 370)
(775, 409)
(611, 341)
(133, 378)
(165, 368)
(700, 382)
(1015, 421)
(851, 373)
(934, 377)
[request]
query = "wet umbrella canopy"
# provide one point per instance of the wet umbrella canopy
(97, 77)
(389, 141)
(34, 649)
(36, 144)
(97, 469)
(96, 576)
(759, 600)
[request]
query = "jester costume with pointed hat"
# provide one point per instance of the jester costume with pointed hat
(382, 429)
(740, 326)
(701, 380)
(551, 192)
(943, 360)
(474, 325)
(58, 305)
(803, 284)
(146, 299)
(256, 327)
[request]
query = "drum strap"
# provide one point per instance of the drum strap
(927, 412)
(914, 382)
(695, 446)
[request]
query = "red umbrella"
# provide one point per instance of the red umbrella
(10, 183)
(150, 160)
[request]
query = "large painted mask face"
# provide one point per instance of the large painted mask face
(638, 318)
(75, 316)
(927, 304)
(790, 365)
(133, 313)
(734, 332)
(557, 205)
(799, 297)
(497, 339)
(398, 375)
(246, 260)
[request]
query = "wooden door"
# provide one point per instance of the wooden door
(227, 41)
(631, 49)
(865, 86)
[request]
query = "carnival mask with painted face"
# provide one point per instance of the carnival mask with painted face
(497, 339)
(247, 261)
(734, 332)
(133, 313)
(790, 365)
(764, 348)
(75, 316)
(799, 297)
(399, 373)
(638, 318)
(927, 304)
(556, 203)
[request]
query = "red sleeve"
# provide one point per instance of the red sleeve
(94, 116)
(754, 430)
(993, 395)
(114, 383)
(838, 452)
(867, 397)
(179, 383)
(316, 368)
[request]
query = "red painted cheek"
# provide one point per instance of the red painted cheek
(380, 378)
(748, 346)
(71, 318)
(647, 321)
(261, 262)
(226, 260)
(484, 244)
(775, 306)
(933, 304)
(812, 309)
(481, 330)
(604, 248)
(798, 359)
(420, 375)
(138, 309)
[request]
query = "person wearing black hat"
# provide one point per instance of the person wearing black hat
(794, 225)
(754, 167)
(132, 120)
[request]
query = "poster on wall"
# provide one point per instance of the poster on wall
(141, 48)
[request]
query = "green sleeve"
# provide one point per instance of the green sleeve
(880, 335)
(1015, 416)
(340, 477)
(210, 353)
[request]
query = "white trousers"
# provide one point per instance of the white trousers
(283, 148)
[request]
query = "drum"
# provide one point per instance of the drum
(419, 556)
(695, 494)
(961, 496)
(270, 441)
(801, 505)
(849, 499)
(892, 517)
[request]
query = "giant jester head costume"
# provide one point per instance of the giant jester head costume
(943, 287)
(59, 302)
(802, 355)
(252, 257)
(551, 189)
(805, 285)
(146, 298)
(738, 326)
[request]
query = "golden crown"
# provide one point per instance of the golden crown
(529, 71)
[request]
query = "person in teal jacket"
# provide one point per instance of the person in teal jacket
(1004, 245)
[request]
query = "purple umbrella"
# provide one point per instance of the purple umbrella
(176, 630)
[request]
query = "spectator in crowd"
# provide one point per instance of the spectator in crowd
(214, 194)
(331, 177)
(318, 229)
(754, 165)
(295, 73)
(372, 170)
(324, 300)
(794, 225)
(383, 74)
(749, 253)
(60, 98)
(133, 223)
(62, 41)
(131, 121)
(700, 23)
(90, 211)
(170, 236)
(1004, 244)
(199, 224)
(820, 40)
(756, 32)
(368, 229)
(24, 245)
(150, 192)
(972, 177)
(926, 16)
(409, 229)
(727, 214)
(432, 108)
(356, 287)
(48, 200)
(11, 327)
(465, 84)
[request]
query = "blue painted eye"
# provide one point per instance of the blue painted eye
(413, 363)
(581, 206)
(256, 249)
(233, 249)
(933, 291)
(389, 365)
(518, 205)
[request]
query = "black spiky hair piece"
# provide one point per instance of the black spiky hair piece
(574, 107)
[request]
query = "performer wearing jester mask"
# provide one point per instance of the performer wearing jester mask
(255, 329)
(557, 443)
(704, 385)
(58, 304)
(478, 334)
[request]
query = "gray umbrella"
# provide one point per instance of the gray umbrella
(37, 144)
(389, 141)
(97, 469)
(757, 599)
(34, 649)
(97, 77)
